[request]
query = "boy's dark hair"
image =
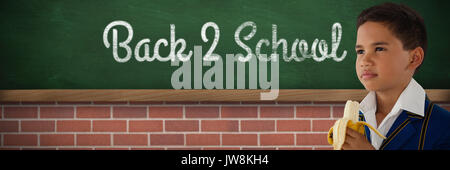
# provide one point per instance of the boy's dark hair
(405, 23)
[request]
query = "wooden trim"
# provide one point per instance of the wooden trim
(325, 95)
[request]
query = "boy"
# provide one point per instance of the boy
(390, 46)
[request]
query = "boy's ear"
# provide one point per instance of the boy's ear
(416, 57)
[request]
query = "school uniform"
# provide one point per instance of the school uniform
(414, 122)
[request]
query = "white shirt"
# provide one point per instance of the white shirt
(411, 99)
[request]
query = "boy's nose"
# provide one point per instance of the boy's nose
(366, 60)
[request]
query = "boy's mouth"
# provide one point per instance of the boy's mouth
(368, 75)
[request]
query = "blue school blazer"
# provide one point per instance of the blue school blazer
(413, 132)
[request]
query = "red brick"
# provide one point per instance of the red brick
(181, 125)
(38, 148)
(220, 125)
(239, 139)
(259, 148)
(165, 112)
(203, 139)
(324, 148)
(109, 125)
(56, 112)
(276, 139)
(322, 125)
(257, 125)
(145, 126)
(185, 148)
(295, 148)
(221, 148)
(9, 126)
(146, 148)
(276, 112)
(38, 126)
(202, 112)
(338, 111)
(239, 112)
(312, 139)
(73, 125)
(11, 149)
(293, 125)
(129, 112)
(56, 140)
(93, 112)
(20, 112)
(109, 148)
(93, 140)
(75, 148)
(131, 139)
(166, 139)
(19, 140)
(313, 112)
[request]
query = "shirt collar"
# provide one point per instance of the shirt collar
(369, 103)
(411, 99)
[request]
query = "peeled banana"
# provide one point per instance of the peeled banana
(336, 134)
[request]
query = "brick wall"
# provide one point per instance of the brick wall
(167, 125)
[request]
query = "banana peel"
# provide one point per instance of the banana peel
(337, 133)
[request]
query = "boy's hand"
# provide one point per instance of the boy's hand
(356, 141)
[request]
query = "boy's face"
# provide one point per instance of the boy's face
(381, 62)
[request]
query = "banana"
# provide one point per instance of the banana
(336, 134)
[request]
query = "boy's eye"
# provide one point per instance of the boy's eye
(380, 49)
(359, 51)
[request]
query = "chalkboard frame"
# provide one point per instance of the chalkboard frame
(73, 95)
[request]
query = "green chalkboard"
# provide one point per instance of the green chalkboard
(54, 44)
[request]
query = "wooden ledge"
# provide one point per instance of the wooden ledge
(332, 95)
